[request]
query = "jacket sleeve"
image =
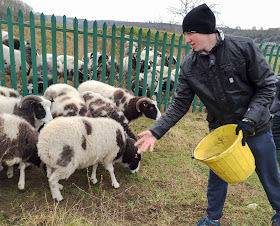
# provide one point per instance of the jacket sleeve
(183, 97)
(262, 79)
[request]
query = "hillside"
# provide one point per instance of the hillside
(271, 35)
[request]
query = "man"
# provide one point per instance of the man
(235, 82)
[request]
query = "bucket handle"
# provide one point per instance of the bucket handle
(192, 153)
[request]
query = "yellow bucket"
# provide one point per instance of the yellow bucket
(223, 153)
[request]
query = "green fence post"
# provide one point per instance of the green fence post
(276, 59)
(154, 64)
(178, 64)
(2, 67)
(104, 55)
(23, 53)
(94, 50)
(33, 53)
(138, 61)
(76, 52)
(64, 50)
(271, 54)
(128, 82)
(169, 71)
(161, 70)
(54, 49)
(86, 59)
(120, 83)
(146, 63)
(113, 52)
(11, 48)
(44, 51)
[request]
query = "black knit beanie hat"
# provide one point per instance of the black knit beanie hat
(200, 20)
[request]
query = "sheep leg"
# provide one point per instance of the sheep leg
(54, 186)
(10, 172)
(1, 166)
(93, 174)
(110, 168)
(21, 182)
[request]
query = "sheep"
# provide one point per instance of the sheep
(7, 106)
(100, 106)
(133, 107)
(40, 84)
(18, 134)
(66, 144)
(49, 59)
(17, 54)
(133, 65)
(164, 82)
(126, 47)
(141, 83)
(70, 67)
(108, 68)
(166, 62)
(5, 40)
(66, 100)
(9, 92)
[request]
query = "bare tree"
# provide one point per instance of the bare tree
(187, 5)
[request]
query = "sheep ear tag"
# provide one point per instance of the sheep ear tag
(136, 156)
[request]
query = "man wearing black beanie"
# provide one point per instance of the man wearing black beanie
(233, 79)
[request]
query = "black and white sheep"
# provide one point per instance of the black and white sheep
(9, 92)
(164, 82)
(70, 67)
(70, 143)
(66, 100)
(18, 135)
(100, 106)
(133, 107)
(16, 40)
(126, 46)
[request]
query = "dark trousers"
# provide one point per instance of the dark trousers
(263, 149)
(276, 135)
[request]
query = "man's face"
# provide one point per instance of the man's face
(197, 41)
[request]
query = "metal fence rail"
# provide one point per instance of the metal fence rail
(111, 42)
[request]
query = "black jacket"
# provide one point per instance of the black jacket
(275, 105)
(233, 81)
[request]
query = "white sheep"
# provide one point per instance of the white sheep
(18, 135)
(66, 100)
(100, 106)
(17, 55)
(70, 143)
(49, 59)
(126, 46)
(133, 107)
(70, 67)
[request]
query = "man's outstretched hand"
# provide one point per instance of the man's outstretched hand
(147, 140)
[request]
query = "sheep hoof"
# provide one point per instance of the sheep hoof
(22, 190)
(116, 185)
(59, 199)
(94, 181)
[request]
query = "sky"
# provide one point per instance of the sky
(232, 13)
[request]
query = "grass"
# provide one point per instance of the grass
(169, 189)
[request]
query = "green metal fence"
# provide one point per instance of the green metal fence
(104, 40)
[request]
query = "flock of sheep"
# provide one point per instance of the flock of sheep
(67, 129)
(64, 128)
(61, 60)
